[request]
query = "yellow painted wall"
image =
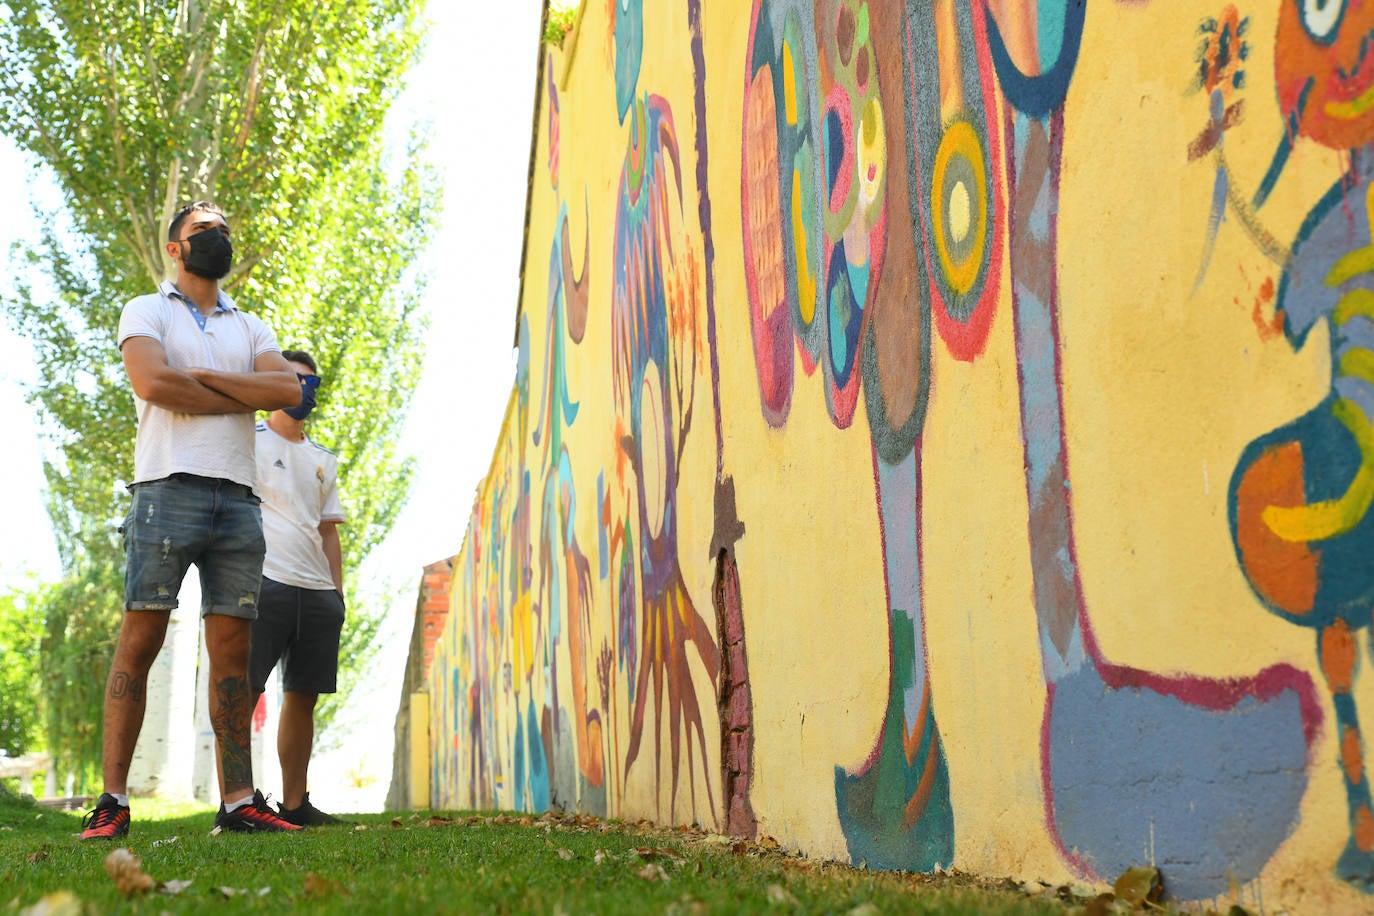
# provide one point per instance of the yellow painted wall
(941, 438)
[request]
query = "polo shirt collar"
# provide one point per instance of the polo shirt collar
(169, 289)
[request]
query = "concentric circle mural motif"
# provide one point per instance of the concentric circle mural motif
(960, 205)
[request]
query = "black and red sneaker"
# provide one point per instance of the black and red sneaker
(107, 820)
(254, 817)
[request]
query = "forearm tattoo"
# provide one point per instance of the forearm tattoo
(231, 715)
(124, 687)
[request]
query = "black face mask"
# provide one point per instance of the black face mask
(210, 255)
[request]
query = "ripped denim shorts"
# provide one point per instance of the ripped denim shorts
(184, 519)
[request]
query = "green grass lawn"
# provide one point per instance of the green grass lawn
(427, 862)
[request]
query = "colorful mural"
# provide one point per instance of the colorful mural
(862, 480)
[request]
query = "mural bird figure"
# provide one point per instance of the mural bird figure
(578, 775)
(1300, 495)
(654, 320)
(1178, 759)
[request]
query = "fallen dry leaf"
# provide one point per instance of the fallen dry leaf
(767, 842)
(565, 854)
(172, 888)
(1139, 885)
(125, 869)
(38, 855)
(687, 906)
(864, 909)
(169, 841)
(59, 903)
(600, 856)
(653, 872)
(780, 896)
(436, 820)
(397, 822)
(320, 886)
(1106, 905)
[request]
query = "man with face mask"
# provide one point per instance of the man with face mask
(301, 605)
(200, 369)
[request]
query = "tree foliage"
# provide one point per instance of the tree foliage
(80, 622)
(276, 110)
(20, 635)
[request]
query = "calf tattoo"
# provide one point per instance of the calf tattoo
(122, 686)
(230, 715)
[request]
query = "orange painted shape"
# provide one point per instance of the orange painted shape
(595, 767)
(1285, 573)
(1338, 657)
(916, 805)
(913, 736)
(1352, 755)
(1328, 76)
(1017, 21)
(1363, 829)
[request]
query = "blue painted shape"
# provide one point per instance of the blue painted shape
(899, 503)
(538, 765)
(628, 628)
(603, 548)
(518, 766)
(834, 150)
(1206, 795)
(1037, 96)
(1050, 31)
(629, 52)
(845, 317)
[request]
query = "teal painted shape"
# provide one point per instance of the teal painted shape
(872, 803)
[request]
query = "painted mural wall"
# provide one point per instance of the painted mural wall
(942, 437)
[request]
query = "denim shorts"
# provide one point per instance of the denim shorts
(300, 628)
(184, 519)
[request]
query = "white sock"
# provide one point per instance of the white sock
(122, 799)
(234, 806)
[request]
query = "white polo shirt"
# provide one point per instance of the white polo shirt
(208, 445)
(298, 482)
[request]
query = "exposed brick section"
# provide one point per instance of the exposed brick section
(434, 605)
(734, 702)
(431, 613)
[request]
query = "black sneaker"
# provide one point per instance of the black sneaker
(106, 821)
(254, 817)
(307, 815)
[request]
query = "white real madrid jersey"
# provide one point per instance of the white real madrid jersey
(298, 482)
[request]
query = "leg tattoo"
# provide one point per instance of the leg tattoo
(123, 686)
(230, 712)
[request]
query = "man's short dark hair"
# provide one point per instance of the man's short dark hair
(302, 357)
(209, 206)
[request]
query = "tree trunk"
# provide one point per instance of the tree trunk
(161, 765)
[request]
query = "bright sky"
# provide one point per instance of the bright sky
(476, 85)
